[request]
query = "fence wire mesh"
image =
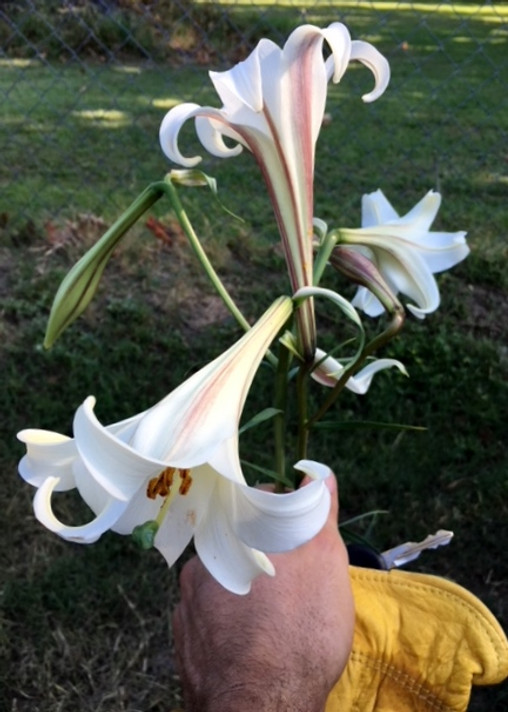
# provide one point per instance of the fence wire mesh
(111, 69)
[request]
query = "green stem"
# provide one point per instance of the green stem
(202, 256)
(212, 275)
(392, 330)
(302, 390)
(323, 255)
(279, 423)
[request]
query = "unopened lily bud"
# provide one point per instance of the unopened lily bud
(79, 286)
(78, 289)
(360, 270)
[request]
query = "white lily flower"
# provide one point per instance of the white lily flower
(328, 371)
(405, 251)
(273, 105)
(177, 464)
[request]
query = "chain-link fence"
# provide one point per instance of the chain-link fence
(106, 70)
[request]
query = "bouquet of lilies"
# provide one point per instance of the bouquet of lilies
(173, 472)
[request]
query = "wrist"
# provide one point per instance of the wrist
(282, 697)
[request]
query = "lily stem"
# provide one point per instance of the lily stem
(302, 390)
(393, 328)
(279, 423)
(212, 275)
(323, 255)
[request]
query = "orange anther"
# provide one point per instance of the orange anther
(161, 484)
(186, 482)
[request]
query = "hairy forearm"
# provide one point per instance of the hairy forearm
(257, 683)
(256, 696)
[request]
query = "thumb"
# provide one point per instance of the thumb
(333, 514)
(331, 484)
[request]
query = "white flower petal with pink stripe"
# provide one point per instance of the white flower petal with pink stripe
(273, 105)
(177, 465)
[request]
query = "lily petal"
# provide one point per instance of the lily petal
(242, 85)
(405, 271)
(376, 209)
(378, 65)
(404, 251)
(211, 134)
(48, 455)
(185, 516)
(273, 105)
(274, 522)
(85, 534)
(114, 464)
(205, 409)
(169, 130)
(314, 470)
(328, 371)
(226, 460)
(232, 563)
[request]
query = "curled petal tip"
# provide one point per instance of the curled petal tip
(368, 55)
(89, 402)
(313, 469)
(84, 534)
(169, 131)
(264, 562)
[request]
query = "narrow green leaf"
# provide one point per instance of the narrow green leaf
(354, 424)
(260, 417)
(289, 341)
(344, 305)
(365, 515)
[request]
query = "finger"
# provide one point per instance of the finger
(176, 623)
(331, 484)
(180, 636)
(333, 514)
(188, 576)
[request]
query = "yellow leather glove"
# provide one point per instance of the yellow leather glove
(420, 643)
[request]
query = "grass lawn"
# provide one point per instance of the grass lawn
(87, 628)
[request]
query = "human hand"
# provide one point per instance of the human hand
(280, 648)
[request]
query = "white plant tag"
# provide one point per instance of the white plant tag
(402, 554)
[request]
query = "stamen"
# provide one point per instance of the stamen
(161, 484)
(185, 482)
(165, 485)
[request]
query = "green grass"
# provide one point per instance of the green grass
(79, 142)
